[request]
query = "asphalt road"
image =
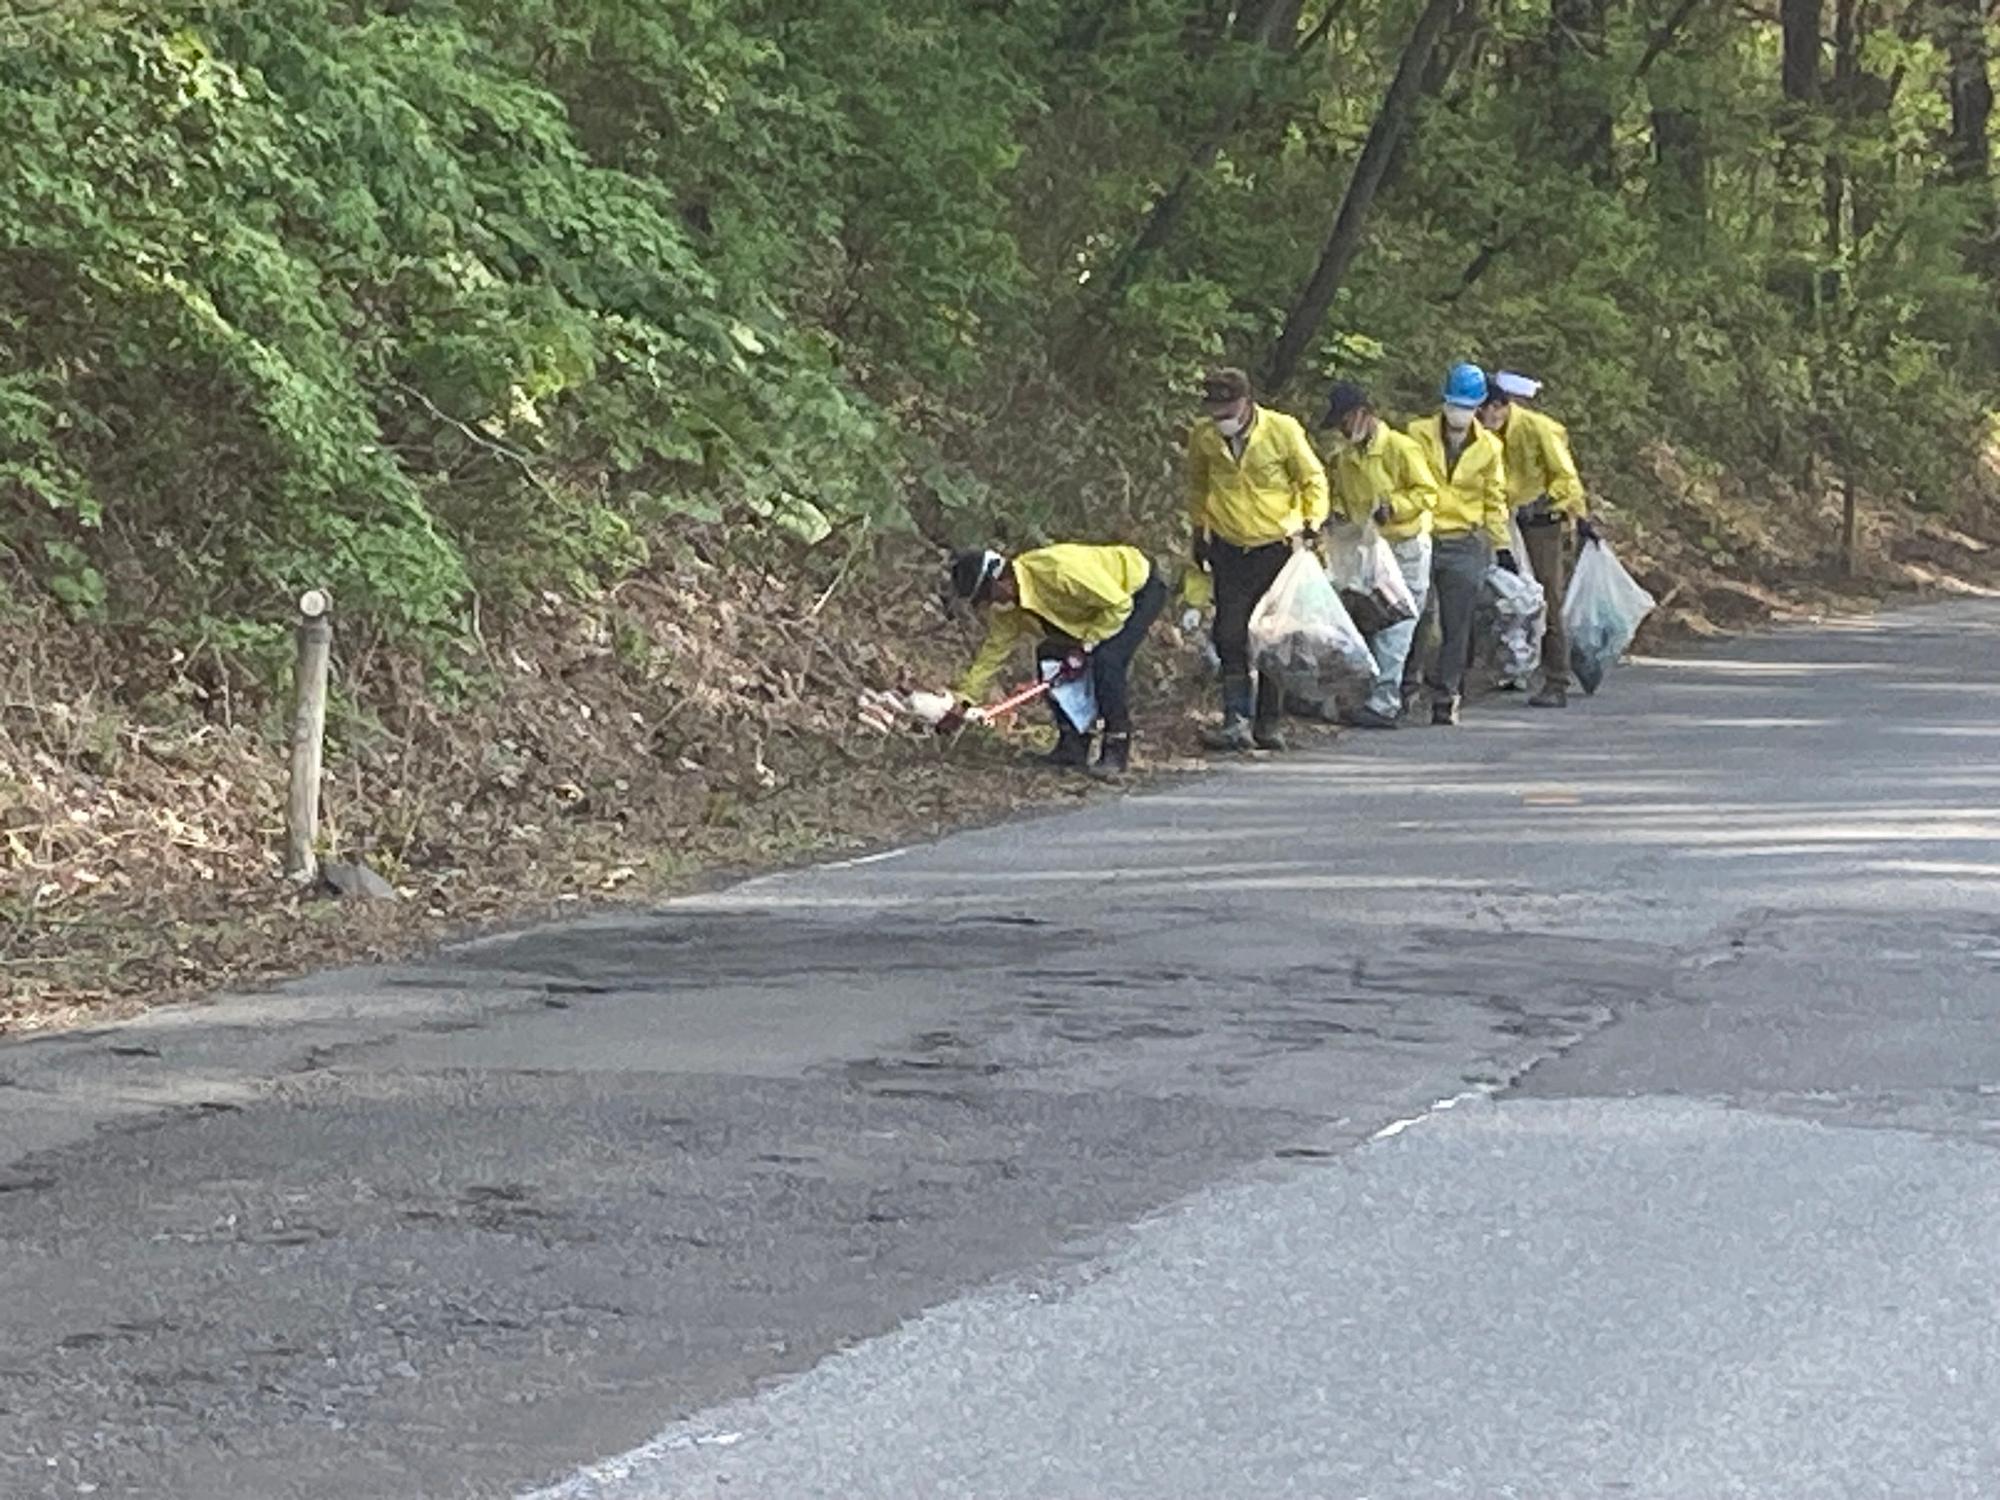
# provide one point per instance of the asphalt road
(1601, 1104)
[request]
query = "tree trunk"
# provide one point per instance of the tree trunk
(1961, 32)
(1460, 41)
(1277, 25)
(1496, 243)
(1970, 160)
(1579, 115)
(1165, 215)
(1343, 241)
(1833, 190)
(1680, 174)
(1205, 29)
(1850, 526)
(1800, 21)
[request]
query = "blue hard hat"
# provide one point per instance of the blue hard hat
(1465, 386)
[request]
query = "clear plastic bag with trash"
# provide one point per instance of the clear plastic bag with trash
(1603, 610)
(1519, 616)
(1364, 569)
(1302, 632)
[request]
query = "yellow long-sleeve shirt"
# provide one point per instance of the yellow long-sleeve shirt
(1472, 494)
(1391, 468)
(1539, 463)
(1277, 488)
(1070, 589)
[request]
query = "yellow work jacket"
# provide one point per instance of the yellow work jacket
(1473, 495)
(1539, 463)
(1070, 589)
(1388, 467)
(1277, 488)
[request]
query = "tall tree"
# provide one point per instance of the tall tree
(1579, 113)
(1343, 241)
(1799, 21)
(1968, 162)
(1271, 29)
(1680, 163)
(1970, 158)
(1834, 195)
(1663, 38)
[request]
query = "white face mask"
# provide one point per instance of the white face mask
(1229, 427)
(1457, 418)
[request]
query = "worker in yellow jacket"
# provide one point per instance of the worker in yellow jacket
(1468, 527)
(1074, 600)
(1381, 478)
(1256, 490)
(1547, 497)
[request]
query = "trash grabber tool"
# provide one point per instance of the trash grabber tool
(1018, 699)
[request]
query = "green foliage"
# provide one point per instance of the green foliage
(294, 300)
(468, 299)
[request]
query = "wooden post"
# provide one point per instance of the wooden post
(308, 736)
(1850, 527)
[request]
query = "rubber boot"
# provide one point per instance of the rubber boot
(1072, 751)
(1234, 732)
(1267, 733)
(1114, 757)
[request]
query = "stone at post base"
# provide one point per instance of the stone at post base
(354, 881)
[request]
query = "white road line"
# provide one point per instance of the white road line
(590, 1481)
(1396, 1127)
(866, 859)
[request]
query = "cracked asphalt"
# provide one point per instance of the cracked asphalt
(1600, 1104)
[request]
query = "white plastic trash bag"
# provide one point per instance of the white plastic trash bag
(1602, 612)
(1302, 632)
(1077, 698)
(1363, 567)
(1519, 618)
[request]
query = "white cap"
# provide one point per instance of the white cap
(1511, 384)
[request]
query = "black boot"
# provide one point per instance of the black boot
(1266, 729)
(1072, 751)
(1234, 733)
(1114, 757)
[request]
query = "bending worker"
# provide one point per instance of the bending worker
(1547, 496)
(1381, 477)
(1468, 528)
(1072, 598)
(1255, 490)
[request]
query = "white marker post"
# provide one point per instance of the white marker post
(315, 635)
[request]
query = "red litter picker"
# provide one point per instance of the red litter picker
(1018, 699)
(882, 710)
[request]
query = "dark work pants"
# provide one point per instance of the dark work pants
(1243, 575)
(1547, 542)
(1111, 659)
(1458, 572)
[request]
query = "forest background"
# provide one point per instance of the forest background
(621, 367)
